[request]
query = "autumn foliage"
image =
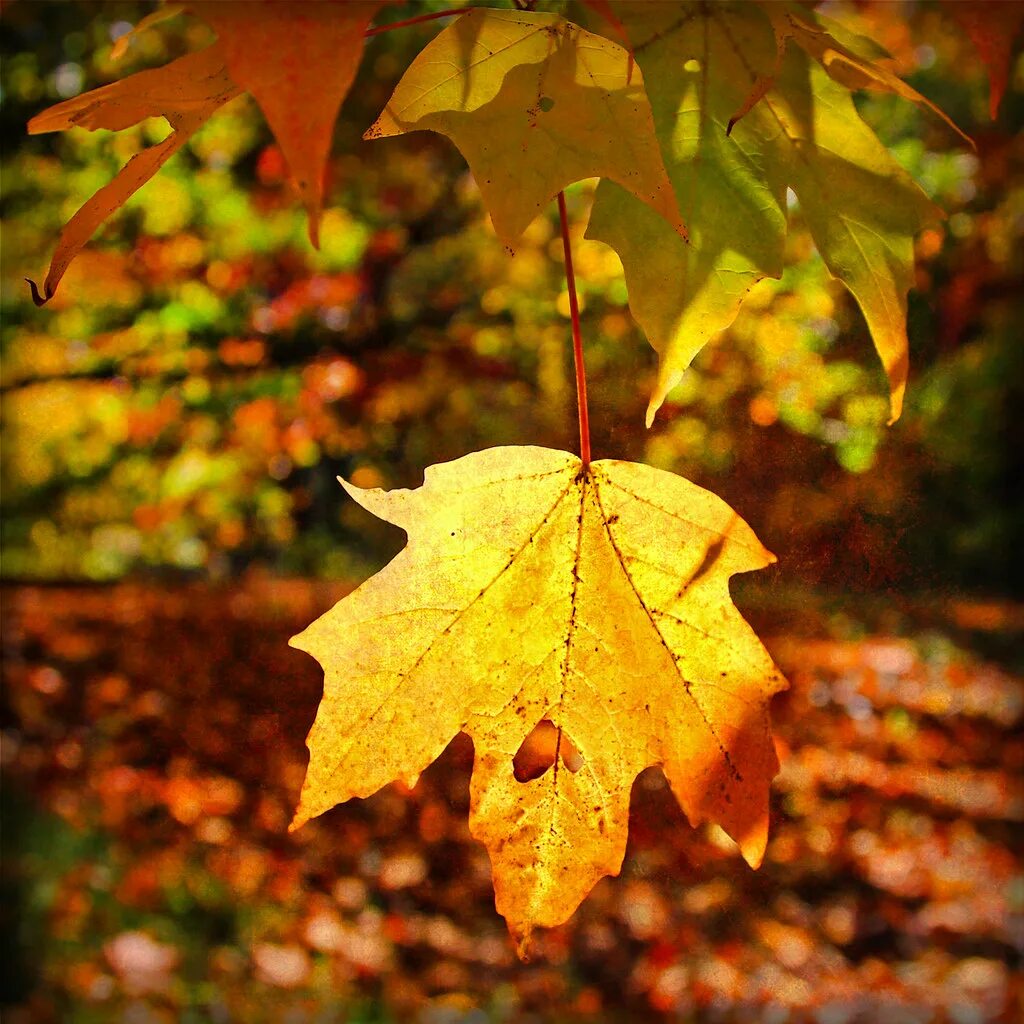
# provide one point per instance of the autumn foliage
(572, 617)
(887, 886)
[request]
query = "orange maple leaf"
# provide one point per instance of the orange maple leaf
(186, 92)
(297, 59)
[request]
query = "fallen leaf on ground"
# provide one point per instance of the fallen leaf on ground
(533, 591)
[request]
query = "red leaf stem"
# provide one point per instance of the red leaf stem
(577, 339)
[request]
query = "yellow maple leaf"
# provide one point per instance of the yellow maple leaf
(534, 103)
(534, 591)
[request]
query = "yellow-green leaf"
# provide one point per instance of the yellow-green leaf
(533, 590)
(534, 103)
(862, 209)
(697, 69)
(798, 129)
(841, 62)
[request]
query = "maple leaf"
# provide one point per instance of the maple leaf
(534, 103)
(298, 61)
(186, 92)
(992, 26)
(296, 57)
(741, 117)
(847, 58)
(533, 590)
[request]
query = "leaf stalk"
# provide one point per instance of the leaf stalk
(577, 338)
(377, 30)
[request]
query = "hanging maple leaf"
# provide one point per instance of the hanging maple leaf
(849, 59)
(296, 57)
(533, 590)
(298, 61)
(741, 117)
(534, 103)
(186, 92)
(993, 27)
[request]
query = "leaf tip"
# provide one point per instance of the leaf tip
(37, 298)
(667, 380)
(753, 844)
(895, 404)
(375, 131)
(376, 500)
(120, 47)
(349, 488)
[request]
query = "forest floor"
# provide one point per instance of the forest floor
(153, 750)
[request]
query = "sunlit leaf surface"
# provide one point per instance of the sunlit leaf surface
(704, 65)
(533, 591)
(534, 103)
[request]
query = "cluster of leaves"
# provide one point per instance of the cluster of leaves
(747, 102)
(760, 106)
(150, 781)
(421, 342)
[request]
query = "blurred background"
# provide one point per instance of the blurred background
(173, 425)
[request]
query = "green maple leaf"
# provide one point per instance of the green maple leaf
(704, 65)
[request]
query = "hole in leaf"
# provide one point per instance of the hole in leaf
(546, 103)
(692, 65)
(537, 752)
